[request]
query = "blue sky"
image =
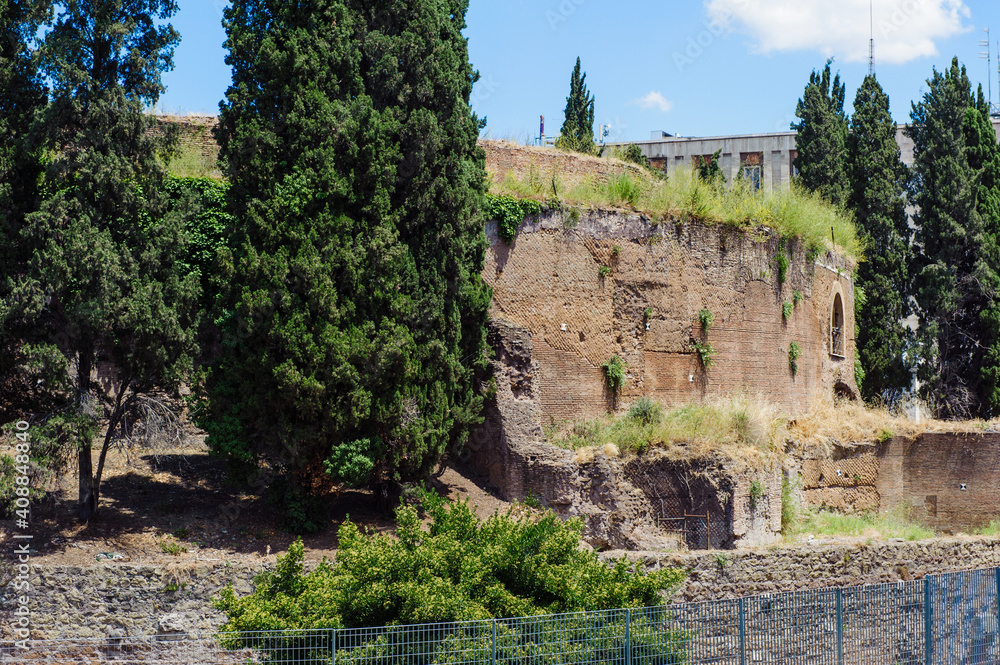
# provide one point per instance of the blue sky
(687, 67)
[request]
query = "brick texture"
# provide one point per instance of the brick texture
(548, 281)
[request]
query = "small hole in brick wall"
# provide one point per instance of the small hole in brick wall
(562, 326)
(582, 338)
(962, 486)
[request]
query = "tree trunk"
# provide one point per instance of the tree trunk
(87, 501)
(116, 417)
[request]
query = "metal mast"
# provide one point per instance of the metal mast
(988, 56)
(871, 42)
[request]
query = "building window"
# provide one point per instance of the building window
(837, 327)
(792, 168)
(752, 164)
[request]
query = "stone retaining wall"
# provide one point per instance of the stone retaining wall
(116, 600)
(714, 575)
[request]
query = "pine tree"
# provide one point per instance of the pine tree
(103, 280)
(821, 137)
(578, 127)
(878, 181)
(954, 272)
(357, 312)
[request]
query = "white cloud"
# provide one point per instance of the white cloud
(654, 99)
(904, 29)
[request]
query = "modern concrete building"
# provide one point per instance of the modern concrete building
(767, 160)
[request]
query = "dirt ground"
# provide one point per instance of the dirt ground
(175, 506)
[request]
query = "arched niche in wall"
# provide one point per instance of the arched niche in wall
(837, 332)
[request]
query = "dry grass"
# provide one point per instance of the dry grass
(847, 422)
(739, 428)
(684, 196)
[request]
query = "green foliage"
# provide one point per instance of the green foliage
(624, 188)
(603, 271)
(991, 529)
(577, 131)
(884, 435)
(786, 310)
(756, 493)
(794, 353)
(878, 179)
(706, 352)
(352, 463)
(955, 269)
(647, 314)
(887, 525)
(355, 309)
(509, 213)
(614, 373)
(797, 297)
(707, 427)
(457, 568)
(790, 508)
(793, 212)
(107, 268)
(710, 172)
(646, 411)
(633, 153)
(706, 319)
(172, 547)
(821, 137)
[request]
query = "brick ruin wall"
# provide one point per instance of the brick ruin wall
(548, 282)
(556, 319)
(949, 481)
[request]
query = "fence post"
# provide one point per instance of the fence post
(928, 647)
(840, 627)
(743, 634)
(493, 659)
(998, 596)
(628, 636)
(333, 647)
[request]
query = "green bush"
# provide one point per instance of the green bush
(706, 353)
(706, 319)
(614, 373)
(794, 353)
(646, 411)
(509, 213)
(786, 310)
(456, 568)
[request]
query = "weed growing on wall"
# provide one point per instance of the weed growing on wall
(614, 374)
(509, 213)
(794, 353)
(786, 310)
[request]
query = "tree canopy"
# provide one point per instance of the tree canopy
(954, 267)
(356, 313)
(578, 126)
(103, 282)
(821, 137)
(877, 185)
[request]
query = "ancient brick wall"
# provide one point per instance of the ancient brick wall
(524, 162)
(947, 480)
(549, 282)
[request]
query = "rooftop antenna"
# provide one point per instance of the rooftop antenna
(871, 42)
(988, 56)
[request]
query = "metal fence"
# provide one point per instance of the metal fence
(949, 619)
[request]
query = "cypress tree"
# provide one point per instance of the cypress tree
(357, 312)
(954, 273)
(103, 283)
(22, 94)
(984, 159)
(821, 137)
(878, 182)
(578, 127)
